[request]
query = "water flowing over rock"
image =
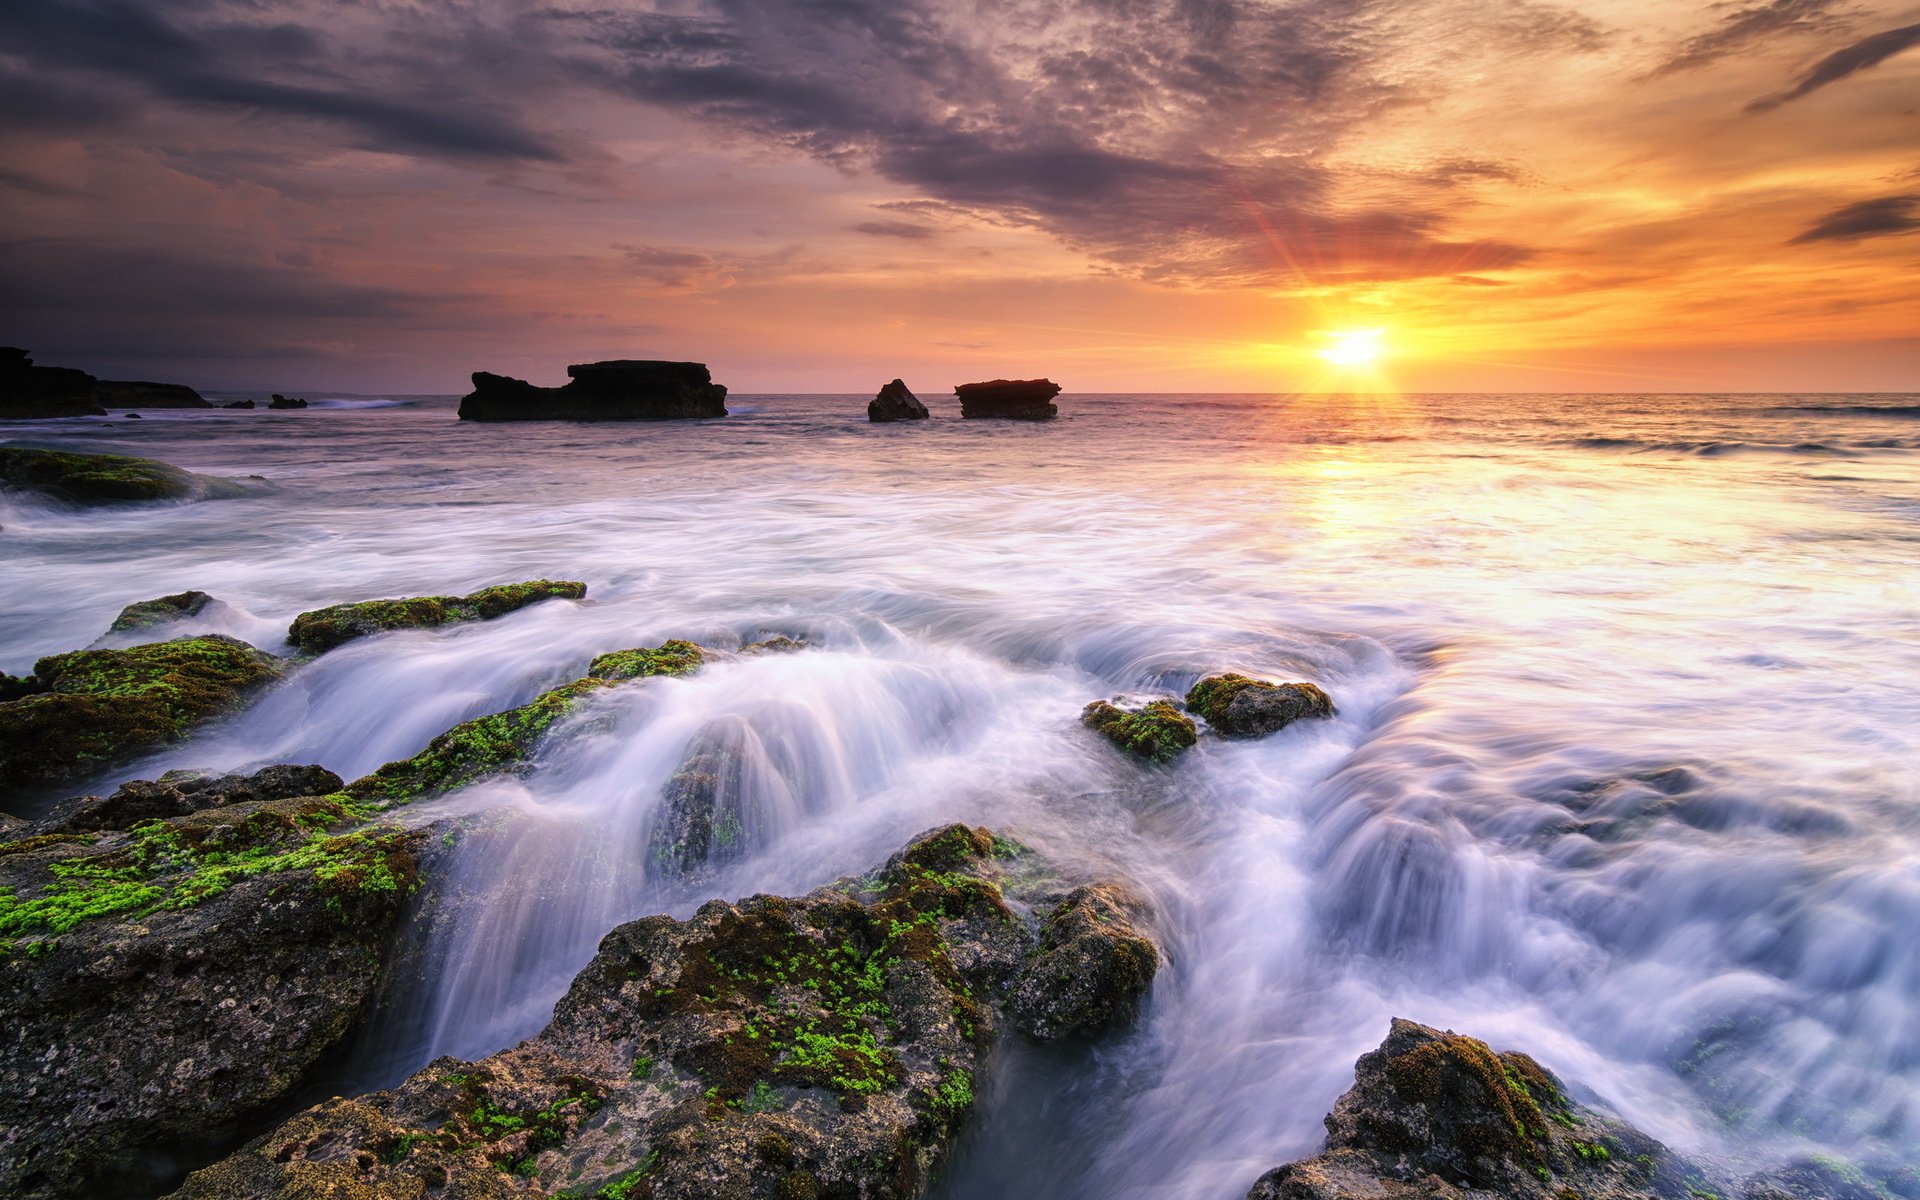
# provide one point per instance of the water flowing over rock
(1236, 706)
(119, 393)
(165, 979)
(789, 1048)
(29, 393)
(896, 403)
(89, 708)
(616, 390)
(1016, 399)
(90, 479)
(161, 610)
(1158, 731)
(323, 629)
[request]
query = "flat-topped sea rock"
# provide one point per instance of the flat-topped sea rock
(896, 402)
(285, 402)
(31, 393)
(124, 393)
(615, 390)
(1009, 399)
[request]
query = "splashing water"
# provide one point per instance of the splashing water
(1622, 773)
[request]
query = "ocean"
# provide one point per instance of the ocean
(1625, 772)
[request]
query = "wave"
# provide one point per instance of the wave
(1867, 410)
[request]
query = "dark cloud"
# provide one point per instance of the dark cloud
(1834, 67)
(1745, 25)
(673, 270)
(1169, 138)
(1868, 218)
(241, 66)
(907, 230)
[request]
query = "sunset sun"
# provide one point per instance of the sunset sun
(1353, 347)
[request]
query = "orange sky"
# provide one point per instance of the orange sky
(1142, 196)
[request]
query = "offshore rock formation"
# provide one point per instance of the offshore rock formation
(322, 629)
(105, 478)
(165, 978)
(616, 390)
(771, 1048)
(162, 610)
(1158, 732)
(28, 392)
(113, 393)
(282, 402)
(238, 404)
(81, 711)
(896, 403)
(1236, 706)
(1015, 399)
(1435, 1115)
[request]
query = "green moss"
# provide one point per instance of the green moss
(94, 478)
(1513, 1087)
(669, 658)
(1211, 696)
(1159, 732)
(955, 1097)
(100, 706)
(322, 629)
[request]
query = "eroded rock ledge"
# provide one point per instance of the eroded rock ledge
(616, 390)
(791, 1048)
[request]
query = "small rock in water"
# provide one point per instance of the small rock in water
(133, 416)
(322, 629)
(1236, 706)
(779, 644)
(238, 404)
(159, 611)
(1013, 399)
(896, 403)
(284, 402)
(1158, 732)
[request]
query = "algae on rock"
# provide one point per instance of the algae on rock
(322, 629)
(1158, 732)
(104, 478)
(1236, 706)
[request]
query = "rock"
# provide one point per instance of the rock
(105, 478)
(116, 393)
(282, 402)
(159, 611)
(503, 742)
(617, 390)
(1434, 1114)
(896, 403)
(238, 404)
(178, 793)
(825, 1046)
(1236, 706)
(1017, 399)
(1091, 968)
(164, 983)
(1159, 731)
(701, 823)
(91, 708)
(134, 417)
(322, 629)
(30, 393)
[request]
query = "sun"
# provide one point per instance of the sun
(1353, 347)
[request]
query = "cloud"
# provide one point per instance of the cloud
(1746, 26)
(896, 229)
(1841, 63)
(1867, 218)
(675, 270)
(116, 44)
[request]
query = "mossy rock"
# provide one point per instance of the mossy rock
(322, 629)
(1159, 732)
(1236, 706)
(668, 658)
(161, 610)
(102, 478)
(91, 708)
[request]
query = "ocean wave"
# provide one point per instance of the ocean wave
(1852, 410)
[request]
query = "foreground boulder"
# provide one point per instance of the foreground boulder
(85, 710)
(1436, 1115)
(1236, 706)
(616, 390)
(896, 403)
(826, 1046)
(322, 629)
(165, 979)
(162, 610)
(1015, 399)
(105, 478)
(1158, 732)
(29, 393)
(118, 393)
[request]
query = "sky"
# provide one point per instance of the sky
(1123, 195)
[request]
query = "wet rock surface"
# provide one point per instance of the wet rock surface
(84, 710)
(178, 793)
(1236, 706)
(323, 629)
(89, 479)
(166, 978)
(162, 610)
(1090, 969)
(1013, 399)
(826, 1046)
(1158, 732)
(615, 390)
(895, 402)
